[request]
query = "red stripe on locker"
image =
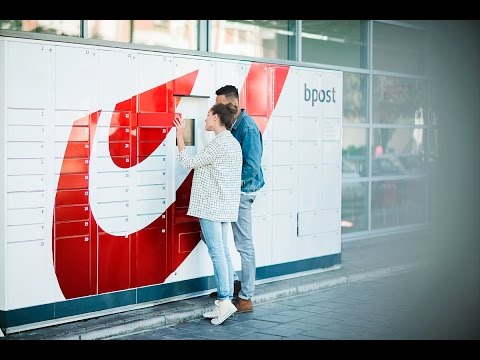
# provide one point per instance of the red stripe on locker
(73, 181)
(68, 197)
(72, 228)
(151, 256)
(69, 213)
(113, 262)
(77, 150)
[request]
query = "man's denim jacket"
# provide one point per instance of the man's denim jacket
(249, 136)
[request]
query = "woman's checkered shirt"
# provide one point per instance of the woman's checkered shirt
(217, 176)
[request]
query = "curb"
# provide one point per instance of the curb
(179, 317)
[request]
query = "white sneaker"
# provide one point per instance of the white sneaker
(225, 310)
(212, 313)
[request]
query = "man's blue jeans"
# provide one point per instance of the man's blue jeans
(215, 234)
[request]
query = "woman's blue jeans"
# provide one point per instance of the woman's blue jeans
(216, 239)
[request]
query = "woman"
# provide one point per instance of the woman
(215, 197)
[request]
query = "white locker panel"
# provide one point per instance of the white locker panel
(62, 133)
(283, 177)
(25, 133)
(150, 206)
(106, 162)
(147, 219)
(103, 133)
(261, 241)
(330, 220)
(113, 179)
(332, 83)
(153, 71)
(25, 183)
(16, 233)
(113, 194)
(112, 209)
(282, 201)
(68, 118)
(310, 246)
(117, 77)
(25, 216)
(153, 163)
(284, 248)
(230, 73)
(283, 128)
(332, 129)
(331, 152)
(27, 280)
(26, 117)
(120, 224)
(266, 153)
(61, 146)
(283, 152)
(259, 206)
(26, 78)
(308, 152)
(26, 166)
(331, 243)
(308, 128)
(287, 104)
(204, 82)
(309, 85)
(25, 150)
(76, 78)
(331, 186)
(23, 200)
(308, 187)
(151, 192)
(151, 177)
(307, 223)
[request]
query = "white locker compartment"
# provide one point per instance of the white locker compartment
(103, 132)
(282, 201)
(114, 225)
(26, 75)
(147, 192)
(26, 167)
(106, 163)
(72, 133)
(109, 194)
(112, 209)
(331, 186)
(26, 133)
(261, 241)
(259, 206)
(330, 220)
(151, 177)
(309, 128)
(284, 240)
(33, 117)
(153, 71)
(287, 103)
(147, 219)
(283, 177)
(76, 78)
(151, 206)
(26, 183)
(117, 73)
(282, 152)
(310, 246)
(25, 216)
(69, 117)
(27, 279)
(25, 150)
(229, 73)
(307, 223)
(113, 179)
(332, 83)
(25, 200)
(308, 153)
(16, 233)
(332, 129)
(266, 143)
(153, 162)
(309, 85)
(331, 152)
(331, 243)
(203, 85)
(81, 149)
(308, 188)
(283, 128)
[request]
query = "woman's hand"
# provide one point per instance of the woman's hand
(180, 125)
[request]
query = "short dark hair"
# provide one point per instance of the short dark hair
(230, 92)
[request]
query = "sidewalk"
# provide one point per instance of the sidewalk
(361, 260)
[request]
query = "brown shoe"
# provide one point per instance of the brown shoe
(243, 305)
(237, 285)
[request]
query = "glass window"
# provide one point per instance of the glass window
(355, 100)
(354, 207)
(57, 27)
(180, 34)
(398, 202)
(354, 153)
(112, 30)
(336, 42)
(256, 38)
(398, 101)
(398, 49)
(398, 151)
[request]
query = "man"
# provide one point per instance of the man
(246, 131)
